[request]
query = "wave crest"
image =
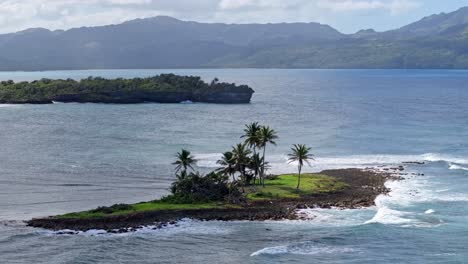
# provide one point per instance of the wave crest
(279, 162)
(457, 167)
(306, 248)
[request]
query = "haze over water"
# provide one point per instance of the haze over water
(68, 157)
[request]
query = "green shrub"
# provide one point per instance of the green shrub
(196, 188)
(112, 209)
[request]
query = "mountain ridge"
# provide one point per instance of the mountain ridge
(436, 41)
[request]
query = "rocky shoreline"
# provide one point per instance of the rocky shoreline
(140, 97)
(363, 188)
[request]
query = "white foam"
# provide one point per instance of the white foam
(386, 215)
(430, 211)
(279, 162)
(184, 226)
(303, 249)
(8, 105)
(442, 157)
(189, 226)
(457, 167)
(334, 216)
(452, 197)
(95, 232)
(207, 160)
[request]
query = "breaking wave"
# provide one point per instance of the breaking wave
(184, 226)
(306, 248)
(457, 167)
(279, 162)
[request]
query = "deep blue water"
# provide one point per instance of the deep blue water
(67, 157)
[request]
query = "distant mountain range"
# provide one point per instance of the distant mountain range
(435, 42)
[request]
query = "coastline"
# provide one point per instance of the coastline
(163, 88)
(364, 185)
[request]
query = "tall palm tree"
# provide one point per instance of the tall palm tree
(184, 161)
(266, 135)
(228, 165)
(254, 165)
(252, 140)
(300, 154)
(240, 155)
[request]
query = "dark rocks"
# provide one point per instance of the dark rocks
(166, 217)
(414, 162)
(242, 97)
(66, 232)
(399, 168)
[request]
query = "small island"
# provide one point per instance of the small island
(164, 88)
(240, 189)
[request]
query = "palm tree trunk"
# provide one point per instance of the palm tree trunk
(262, 173)
(243, 180)
(255, 167)
(241, 170)
(299, 177)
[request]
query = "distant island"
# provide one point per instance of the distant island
(164, 88)
(240, 189)
(434, 42)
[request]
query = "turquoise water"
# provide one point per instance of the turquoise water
(67, 157)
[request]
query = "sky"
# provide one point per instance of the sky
(348, 16)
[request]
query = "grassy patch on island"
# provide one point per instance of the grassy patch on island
(122, 209)
(284, 187)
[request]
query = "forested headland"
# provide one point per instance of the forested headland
(164, 88)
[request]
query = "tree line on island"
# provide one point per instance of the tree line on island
(244, 166)
(164, 88)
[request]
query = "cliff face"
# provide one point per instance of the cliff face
(164, 88)
(224, 97)
(158, 97)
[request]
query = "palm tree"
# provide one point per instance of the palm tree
(240, 155)
(254, 165)
(266, 136)
(184, 161)
(300, 154)
(252, 140)
(228, 165)
(251, 134)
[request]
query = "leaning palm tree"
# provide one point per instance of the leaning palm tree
(266, 136)
(228, 165)
(300, 154)
(252, 140)
(240, 155)
(184, 161)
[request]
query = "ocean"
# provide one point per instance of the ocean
(63, 158)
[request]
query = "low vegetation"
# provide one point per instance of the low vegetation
(143, 207)
(285, 187)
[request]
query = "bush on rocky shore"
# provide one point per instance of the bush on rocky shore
(197, 188)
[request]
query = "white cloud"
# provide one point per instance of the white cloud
(394, 6)
(401, 6)
(235, 4)
(62, 14)
(259, 4)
